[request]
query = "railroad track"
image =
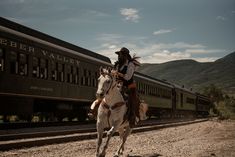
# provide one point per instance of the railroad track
(23, 140)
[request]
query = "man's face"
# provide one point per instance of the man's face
(121, 58)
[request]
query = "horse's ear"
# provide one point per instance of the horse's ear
(109, 69)
(101, 70)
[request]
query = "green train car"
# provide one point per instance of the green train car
(42, 75)
(45, 77)
(167, 100)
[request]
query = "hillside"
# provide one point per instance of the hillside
(194, 74)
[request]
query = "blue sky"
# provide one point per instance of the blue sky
(156, 30)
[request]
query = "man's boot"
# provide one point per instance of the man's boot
(94, 109)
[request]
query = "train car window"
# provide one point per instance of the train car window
(152, 90)
(69, 73)
(177, 98)
(147, 89)
(2, 62)
(92, 79)
(181, 99)
(88, 78)
(43, 68)
(157, 92)
(35, 67)
(61, 72)
(142, 88)
(23, 64)
(83, 81)
(93, 82)
(54, 71)
(166, 94)
(95, 79)
(190, 100)
(75, 74)
(13, 63)
(138, 87)
(203, 102)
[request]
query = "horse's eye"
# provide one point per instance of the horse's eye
(108, 81)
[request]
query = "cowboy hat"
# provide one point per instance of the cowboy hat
(123, 50)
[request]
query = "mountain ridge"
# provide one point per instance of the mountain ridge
(196, 75)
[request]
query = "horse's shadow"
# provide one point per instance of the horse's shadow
(150, 155)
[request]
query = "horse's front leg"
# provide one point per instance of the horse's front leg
(99, 139)
(124, 138)
(109, 135)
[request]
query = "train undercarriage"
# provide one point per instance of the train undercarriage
(24, 109)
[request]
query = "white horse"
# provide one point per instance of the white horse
(111, 112)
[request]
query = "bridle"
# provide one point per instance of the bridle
(110, 86)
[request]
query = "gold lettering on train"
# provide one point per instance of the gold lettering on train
(71, 61)
(51, 55)
(13, 44)
(31, 49)
(3, 41)
(58, 57)
(45, 53)
(23, 47)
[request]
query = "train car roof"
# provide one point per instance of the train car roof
(183, 89)
(11, 26)
(202, 95)
(149, 78)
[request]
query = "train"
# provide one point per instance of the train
(44, 77)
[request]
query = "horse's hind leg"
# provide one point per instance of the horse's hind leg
(124, 138)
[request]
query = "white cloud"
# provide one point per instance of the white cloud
(220, 18)
(97, 13)
(105, 37)
(162, 56)
(202, 51)
(130, 14)
(152, 52)
(162, 31)
(206, 59)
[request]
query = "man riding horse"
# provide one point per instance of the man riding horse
(124, 70)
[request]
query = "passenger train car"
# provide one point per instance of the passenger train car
(49, 78)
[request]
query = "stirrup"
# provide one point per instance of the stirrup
(91, 115)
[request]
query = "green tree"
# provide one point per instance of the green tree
(222, 104)
(214, 93)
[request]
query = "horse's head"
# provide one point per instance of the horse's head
(105, 82)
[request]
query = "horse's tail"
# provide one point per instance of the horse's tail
(143, 108)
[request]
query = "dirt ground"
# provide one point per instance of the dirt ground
(210, 138)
